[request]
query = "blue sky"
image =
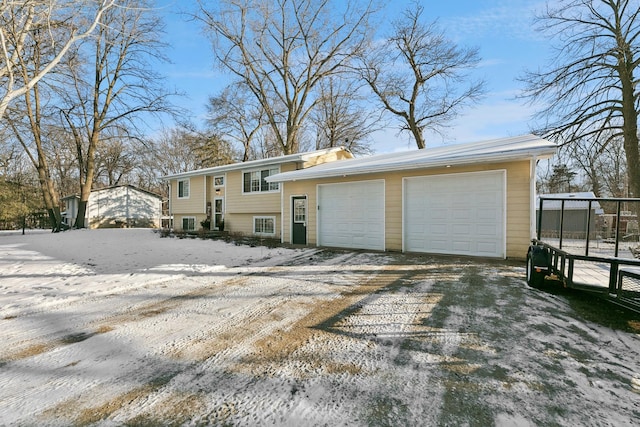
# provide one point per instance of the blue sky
(501, 29)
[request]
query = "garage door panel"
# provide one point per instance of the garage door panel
(461, 246)
(439, 245)
(489, 214)
(356, 211)
(461, 214)
(488, 230)
(461, 229)
(437, 214)
(456, 214)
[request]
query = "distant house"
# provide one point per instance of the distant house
(115, 207)
(575, 217)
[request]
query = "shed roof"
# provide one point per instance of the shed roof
(581, 201)
(299, 157)
(95, 190)
(495, 150)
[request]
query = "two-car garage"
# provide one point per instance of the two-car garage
(472, 199)
(461, 214)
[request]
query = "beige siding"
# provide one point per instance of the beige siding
(239, 208)
(195, 203)
(300, 188)
(240, 203)
(518, 202)
(518, 210)
(177, 220)
(243, 223)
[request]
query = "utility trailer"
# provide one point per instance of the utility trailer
(580, 247)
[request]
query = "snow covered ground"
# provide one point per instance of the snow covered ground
(122, 327)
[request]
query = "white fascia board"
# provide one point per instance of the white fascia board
(344, 168)
(300, 157)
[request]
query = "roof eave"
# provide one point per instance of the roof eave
(300, 157)
(540, 153)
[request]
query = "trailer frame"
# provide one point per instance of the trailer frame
(550, 264)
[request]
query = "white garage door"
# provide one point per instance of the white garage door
(462, 214)
(351, 215)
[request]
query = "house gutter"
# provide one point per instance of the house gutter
(453, 161)
(300, 157)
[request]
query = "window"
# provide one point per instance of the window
(188, 223)
(299, 210)
(265, 225)
(256, 181)
(183, 189)
(218, 181)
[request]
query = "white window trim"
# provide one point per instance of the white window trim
(188, 217)
(223, 181)
(259, 170)
(273, 218)
(178, 188)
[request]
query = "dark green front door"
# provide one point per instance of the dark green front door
(299, 220)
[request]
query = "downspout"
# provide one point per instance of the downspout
(282, 215)
(532, 198)
(205, 195)
(170, 208)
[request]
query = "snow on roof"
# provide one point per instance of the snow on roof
(512, 148)
(95, 190)
(581, 202)
(299, 157)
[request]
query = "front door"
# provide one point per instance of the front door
(218, 213)
(299, 220)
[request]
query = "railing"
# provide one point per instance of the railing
(622, 283)
(589, 233)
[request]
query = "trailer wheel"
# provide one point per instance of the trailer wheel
(536, 258)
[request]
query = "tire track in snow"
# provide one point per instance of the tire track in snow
(227, 368)
(261, 319)
(285, 375)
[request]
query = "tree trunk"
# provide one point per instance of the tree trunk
(630, 119)
(417, 134)
(82, 213)
(55, 219)
(49, 193)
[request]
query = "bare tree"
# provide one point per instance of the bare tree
(114, 162)
(602, 163)
(27, 116)
(35, 35)
(589, 90)
(420, 76)
(178, 150)
(281, 49)
(613, 170)
(121, 87)
(233, 114)
(341, 117)
(60, 150)
(23, 21)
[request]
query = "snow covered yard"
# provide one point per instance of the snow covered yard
(122, 327)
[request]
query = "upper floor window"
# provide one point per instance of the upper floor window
(183, 188)
(256, 181)
(218, 181)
